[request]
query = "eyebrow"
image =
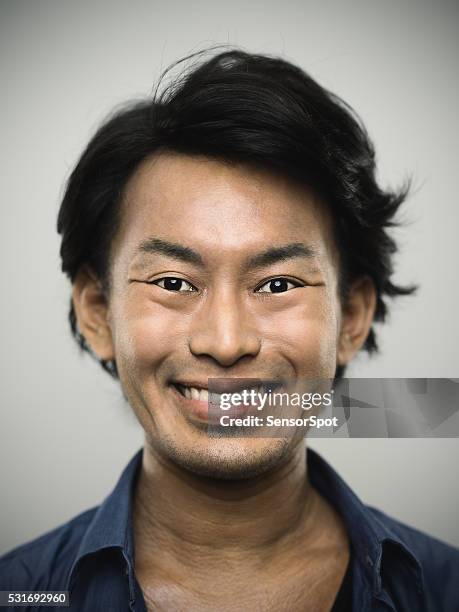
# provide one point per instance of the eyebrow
(170, 249)
(281, 253)
(260, 260)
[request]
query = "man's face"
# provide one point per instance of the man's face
(192, 297)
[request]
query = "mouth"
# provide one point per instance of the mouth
(199, 391)
(196, 398)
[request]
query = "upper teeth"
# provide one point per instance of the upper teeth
(194, 393)
(203, 394)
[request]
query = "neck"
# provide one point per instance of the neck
(175, 510)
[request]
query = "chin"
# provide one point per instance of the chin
(228, 459)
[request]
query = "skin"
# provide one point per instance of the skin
(224, 523)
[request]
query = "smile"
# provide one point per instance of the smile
(202, 393)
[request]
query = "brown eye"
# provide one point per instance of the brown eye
(170, 283)
(278, 285)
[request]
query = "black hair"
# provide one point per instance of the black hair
(243, 108)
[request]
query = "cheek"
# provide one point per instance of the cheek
(306, 334)
(144, 334)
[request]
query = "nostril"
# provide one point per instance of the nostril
(226, 351)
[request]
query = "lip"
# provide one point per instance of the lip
(197, 409)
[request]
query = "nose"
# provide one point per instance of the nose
(223, 331)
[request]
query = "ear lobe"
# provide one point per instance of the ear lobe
(92, 313)
(357, 317)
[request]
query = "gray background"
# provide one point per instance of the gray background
(65, 432)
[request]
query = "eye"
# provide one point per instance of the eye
(278, 285)
(170, 283)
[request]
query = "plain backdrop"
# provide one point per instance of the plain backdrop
(66, 433)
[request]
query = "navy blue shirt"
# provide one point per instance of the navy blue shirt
(394, 567)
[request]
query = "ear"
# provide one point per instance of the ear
(92, 313)
(357, 317)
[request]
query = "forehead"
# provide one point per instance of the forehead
(219, 207)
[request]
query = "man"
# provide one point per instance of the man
(232, 227)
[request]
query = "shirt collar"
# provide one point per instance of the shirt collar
(111, 525)
(371, 539)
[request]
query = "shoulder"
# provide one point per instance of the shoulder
(44, 562)
(429, 550)
(439, 561)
